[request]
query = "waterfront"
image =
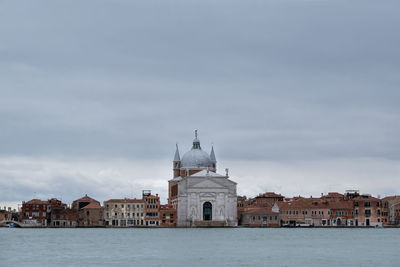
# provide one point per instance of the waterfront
(199, 247)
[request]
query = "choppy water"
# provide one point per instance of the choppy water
(199, 247)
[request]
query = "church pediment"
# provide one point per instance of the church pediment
(207, 184)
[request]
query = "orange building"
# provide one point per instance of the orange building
(168, 216)
(152, 206)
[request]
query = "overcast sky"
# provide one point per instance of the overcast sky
(297, 96)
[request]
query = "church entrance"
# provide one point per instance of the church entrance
(207, 211)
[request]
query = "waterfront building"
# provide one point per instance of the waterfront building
(90, 212)
(304, 212)
(265, 216)
(201, 196)
(124, 212)
(168, 216)
(63, 217)
(35, 212)
(6, 214)
(152, 204)
(367, 210)
(391, 210)
(341, 213)
(267, 198)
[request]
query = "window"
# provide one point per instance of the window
(367, 204)
(122, 205)
(107, 206)
(115, 214)
(356, 204)
(115, 206)
(367, 212)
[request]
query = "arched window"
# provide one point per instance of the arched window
(207, 211)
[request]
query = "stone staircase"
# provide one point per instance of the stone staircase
(209, 224)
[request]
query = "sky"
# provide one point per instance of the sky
(300, 97)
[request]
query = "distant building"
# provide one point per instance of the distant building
(124, 212)
(90, 212)
(168, 216)
(201, 196)
(266, 216)
(391, 210)
(267, 198)
(152, 205)
(35, 212)
(367, 211)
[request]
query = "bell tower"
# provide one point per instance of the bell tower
(177, 162)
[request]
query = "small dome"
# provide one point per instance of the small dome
(196, 158)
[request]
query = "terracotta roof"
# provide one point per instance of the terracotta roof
(341, 205)
(269, 195)
(263, 210)
(304, 203)
(366, 197)
(93, 205)
(37, 201)
(390, 198)
(125, 200)
(86, 198)
(333, 195)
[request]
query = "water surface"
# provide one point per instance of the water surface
(199, 247)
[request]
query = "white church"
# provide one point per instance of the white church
(201, 196)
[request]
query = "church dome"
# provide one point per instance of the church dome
(196, 158)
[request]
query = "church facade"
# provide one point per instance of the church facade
(201, 196)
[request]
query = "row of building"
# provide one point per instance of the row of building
(333, 209)
(265, 210)
(88, 212)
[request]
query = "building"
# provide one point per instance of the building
(266, 216)
(267, 198)
(63, 217)
(168, 216)
(341, 213)
(367, 210)
(201, 196)
(90, 212)
(391, 210)
(124, 212)
(152, 205)
(6, 214)
(304, 212)
(35, 212)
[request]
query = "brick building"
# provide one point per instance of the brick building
(35, 212)
(90, 212)
(168, 216)
(152, 206)
(391, 210)
(367, 210)
(266, 216)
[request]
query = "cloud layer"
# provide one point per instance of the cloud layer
(265, 81)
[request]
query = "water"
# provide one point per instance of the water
(199, 247)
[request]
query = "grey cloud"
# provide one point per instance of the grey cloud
(271, 80)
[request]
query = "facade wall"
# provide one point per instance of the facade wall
(191, 200)
(124, 213)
